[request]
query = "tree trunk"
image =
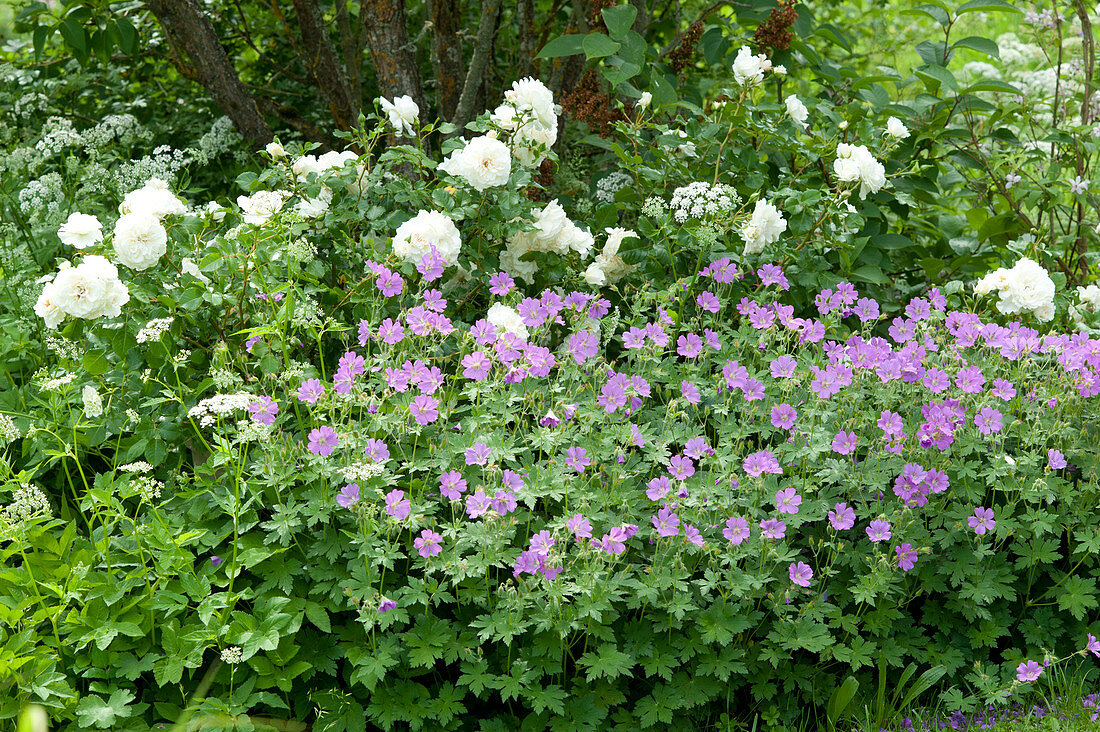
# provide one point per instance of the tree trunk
(390, 50)
(446, 18)
(482, 52)
(193, 39)
(319, 56)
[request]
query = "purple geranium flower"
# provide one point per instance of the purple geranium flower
(479, 454)
(761, 462)
(736, 531)
(263, 410)
(1028, 671)
(773, 528)
(386, 604)
(689, 345)
(982, 520)
(580, 526)
(879, 530)
(311, 390)
(348, 495)
(843, 517)
(681, 468)
(476, 365)
(666, 522)
(788, 501)
(424, 409)
(397, 505)
(452, 484)
(1056, 459)
(784, 416)
(583, 346)
(658, 488)
(323, 440)
(844, 443)
(578, 459)
(689, 391)
(501, 284)
(377, 452)
(800, 573)
(989, 421)
(429, 543)
(907, 557)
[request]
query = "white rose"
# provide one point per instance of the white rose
(48, 308)
(504, 117)
(797, 110)
(644, 101)
(483, 163)
(747, 68)
(140, 240)
(896, 129)
(190, 268)
(595, 275)
(155, 199)
(511, 258)
(90, 290)
(764, 228)
(275, 150)
(532, 140)
(580, 240)
(304, 165)
(780, 69)
(417, 236)
(261, 206)
(80, 230)
(313, 207)
(214, 210)
(93, 402)
(531, 95)
(403, 114)
(505, 318)
(615, 236)
(855, 162)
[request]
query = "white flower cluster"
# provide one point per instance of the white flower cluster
(58, 134)
(1090, 297)
(9, 433)
(139, 466)
(701, 200)
(1025, 288)
(608, 267)
(749, 69)
(148, 488)
(855, 163)
(362, 471)
(89, 290)
(27, 502)
(530, 116)
(554, 232)
(93, 402)
(209, 409)
(56, 382)
(763, 227)
(153, 330)
(611, 184)
(232, 655)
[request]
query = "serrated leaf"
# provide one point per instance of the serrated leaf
(94, 711)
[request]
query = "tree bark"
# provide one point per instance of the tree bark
(482, 51)
(525, 27)
(319, 55)
(390, 50)
(446, 18)
(199, 56)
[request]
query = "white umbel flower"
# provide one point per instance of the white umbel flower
(417, 236)
(763, 228)
(403, 114)
(80, 231)
(93, 403)
(484, 162)
(140, 240)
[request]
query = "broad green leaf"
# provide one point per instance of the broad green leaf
(619, 19)
(597, 45)
(993, 85)
(73, 35)
(979, 44)
(94, 711)
(997, 6)
(936, 76)
(568, 45)
(891, 241)
(937, 13)
(95, 363)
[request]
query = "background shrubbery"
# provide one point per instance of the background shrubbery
(696, 388)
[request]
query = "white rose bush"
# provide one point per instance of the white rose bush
(656, 407)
